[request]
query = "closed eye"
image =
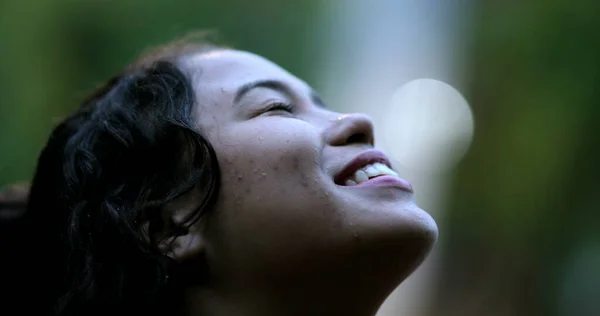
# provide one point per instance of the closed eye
(279, 106)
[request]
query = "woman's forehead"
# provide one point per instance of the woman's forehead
(234, 68)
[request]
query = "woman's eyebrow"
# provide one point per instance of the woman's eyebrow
(269, 84)
(274, 85)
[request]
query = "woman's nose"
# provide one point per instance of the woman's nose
(347, 129)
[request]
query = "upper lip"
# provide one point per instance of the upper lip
(365, 158)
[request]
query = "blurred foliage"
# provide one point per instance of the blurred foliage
(526, 196)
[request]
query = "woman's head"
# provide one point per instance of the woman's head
(218, 171)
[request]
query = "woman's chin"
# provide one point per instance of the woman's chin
(402, 221)
(417, 235)
(397, 242)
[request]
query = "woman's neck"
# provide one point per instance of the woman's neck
(289, 303)
(355, 287)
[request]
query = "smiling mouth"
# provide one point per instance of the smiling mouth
(369, 171)
(372, 168)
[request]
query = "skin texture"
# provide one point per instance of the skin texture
(284, 239)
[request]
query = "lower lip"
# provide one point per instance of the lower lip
(386, 181)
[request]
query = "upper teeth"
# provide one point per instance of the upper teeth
(369, 171)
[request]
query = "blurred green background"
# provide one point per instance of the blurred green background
(522, 227)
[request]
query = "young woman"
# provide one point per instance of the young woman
(209, 181)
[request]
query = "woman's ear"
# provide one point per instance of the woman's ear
(183, 246)
(181, 239)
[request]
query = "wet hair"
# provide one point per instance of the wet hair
(95, 212)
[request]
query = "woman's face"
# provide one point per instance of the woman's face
(284, 212)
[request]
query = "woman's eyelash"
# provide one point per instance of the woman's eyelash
(280, 106)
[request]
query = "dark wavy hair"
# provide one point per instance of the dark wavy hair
(94, 218)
